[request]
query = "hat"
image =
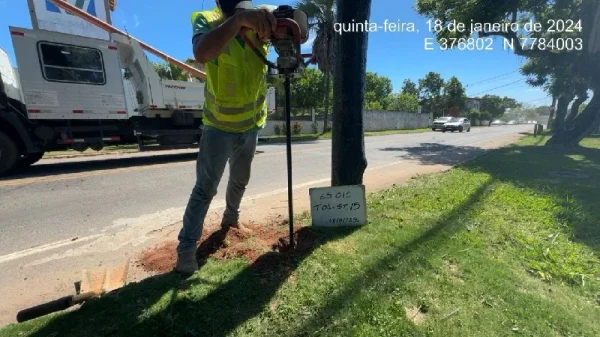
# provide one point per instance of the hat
(244, 4)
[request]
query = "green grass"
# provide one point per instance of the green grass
(501, 246)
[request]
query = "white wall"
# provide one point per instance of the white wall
(373, 121)
(392, 120)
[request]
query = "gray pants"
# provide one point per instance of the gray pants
(216, 148)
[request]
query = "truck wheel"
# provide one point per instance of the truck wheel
(29, 160)
(9, 153)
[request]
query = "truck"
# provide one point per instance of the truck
(74, 92)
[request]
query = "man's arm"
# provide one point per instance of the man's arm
(210, 45)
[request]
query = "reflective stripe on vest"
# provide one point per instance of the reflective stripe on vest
(245, 124)
(230, 110)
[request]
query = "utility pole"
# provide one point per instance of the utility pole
(594, 46)
(348, 147)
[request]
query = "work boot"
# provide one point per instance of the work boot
(186, 263)
(236, 225)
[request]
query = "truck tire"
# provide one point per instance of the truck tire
(9, 154)
(29, 160)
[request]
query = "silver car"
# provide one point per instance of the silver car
(457, 124)
(438, 124)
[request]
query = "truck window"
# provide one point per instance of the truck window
(72, 64)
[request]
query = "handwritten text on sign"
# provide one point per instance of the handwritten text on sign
(338, 206)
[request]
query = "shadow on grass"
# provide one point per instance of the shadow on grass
(208, 309)
(407, 256)
(437, 154)
(570, 176)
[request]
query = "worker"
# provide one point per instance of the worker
(235, 110)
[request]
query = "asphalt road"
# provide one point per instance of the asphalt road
(63, 199)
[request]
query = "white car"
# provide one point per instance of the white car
(498, 122)
(438, 124)
(457, 124)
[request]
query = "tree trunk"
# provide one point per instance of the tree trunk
(326, 121)
(575, 108)
(583, 125)
(552, 111)
(348, 146)
(561, 112)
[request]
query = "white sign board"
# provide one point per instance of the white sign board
(41, 97)
(51, 17)
(338, 206)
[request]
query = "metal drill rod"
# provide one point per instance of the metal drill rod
(289, 158)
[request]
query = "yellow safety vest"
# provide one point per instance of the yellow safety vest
(235, 89)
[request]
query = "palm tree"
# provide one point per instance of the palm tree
(321, 15)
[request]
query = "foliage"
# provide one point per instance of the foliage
(431, 86)
(377, 89)
(410, 88)
(297, 128)
(309, 90)
(430, 93)
(322, 18)
(315, 127)
(403, 102)
(493, 105)
(454, 94)
(277, 129)
(473, 115)
(170, 72)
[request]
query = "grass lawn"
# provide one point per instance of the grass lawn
(505, 245)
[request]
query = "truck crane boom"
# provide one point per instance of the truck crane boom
(111, 29)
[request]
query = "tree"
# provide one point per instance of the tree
(582, 96)
(585, 61)
(492, 106)
(306, 88)
(322, 16)
(169, 72)
(430, 93)
(454, 94)
(376, 90)
(348, 144)
(410, 88)
(403, 103)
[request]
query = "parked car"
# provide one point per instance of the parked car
(438, 124)
(498, 122)
(457, 124)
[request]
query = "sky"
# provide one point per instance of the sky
(392, 52)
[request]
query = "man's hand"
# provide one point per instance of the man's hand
(262, 21)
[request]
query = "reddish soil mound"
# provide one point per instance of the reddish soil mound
(264, 246)
(159, 259)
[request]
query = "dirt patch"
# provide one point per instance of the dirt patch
(415, 315)
(160, 259)
(263, 246)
